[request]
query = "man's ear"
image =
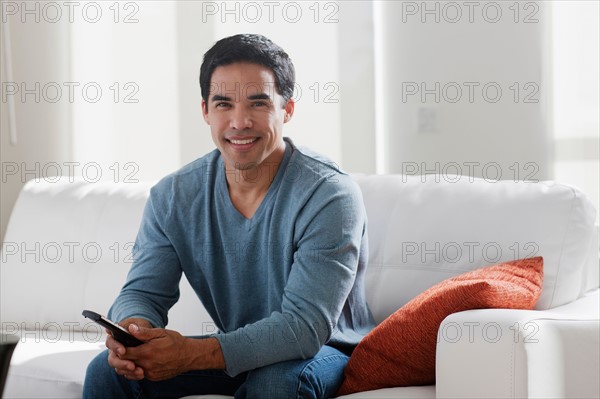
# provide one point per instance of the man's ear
(205, 111)
(289, 110)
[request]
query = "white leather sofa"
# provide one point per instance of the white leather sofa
(67, 249)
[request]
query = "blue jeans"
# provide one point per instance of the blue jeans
(318, 377)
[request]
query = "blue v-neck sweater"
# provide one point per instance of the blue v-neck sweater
(278, 285)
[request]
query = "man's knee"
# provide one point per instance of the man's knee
(322, 377)
(101, 381)
(98, 366)
(319, 377)
(274, 381)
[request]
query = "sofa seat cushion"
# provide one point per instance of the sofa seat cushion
(50, 366)
(43, 367)
(401, 350)
(422, 392)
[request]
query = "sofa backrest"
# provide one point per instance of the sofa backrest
(67, 246)
(423, 231)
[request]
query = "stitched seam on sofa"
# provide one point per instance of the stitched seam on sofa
(569, 320)
(433, 268)
(562, 246)
(371, 270)
(380, 261)
(512, 369)
(13, 374)
(388, 228)
(89, 274)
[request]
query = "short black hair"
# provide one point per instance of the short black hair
(252, 48)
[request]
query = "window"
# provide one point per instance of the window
(575, 69)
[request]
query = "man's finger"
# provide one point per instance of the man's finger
(137, 374)
(115, 346)
(144, 333)
(118, 363)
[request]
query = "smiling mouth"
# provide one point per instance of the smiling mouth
(242, 141)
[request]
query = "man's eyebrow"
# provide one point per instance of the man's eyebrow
(218, 97)
(259, 96)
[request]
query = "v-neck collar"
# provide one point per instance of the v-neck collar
(240, 219)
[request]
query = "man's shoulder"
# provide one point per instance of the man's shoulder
(310, 168)
(190, 177)
(318, 186)
(306, 160)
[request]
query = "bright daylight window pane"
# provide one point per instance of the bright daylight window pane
(575, 47)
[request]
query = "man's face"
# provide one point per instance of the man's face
(246, 115)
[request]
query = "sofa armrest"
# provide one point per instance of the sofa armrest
(503, 353)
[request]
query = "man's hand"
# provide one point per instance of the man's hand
(116, 350)
(165, 354)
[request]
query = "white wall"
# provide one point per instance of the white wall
(132, 130)
(40, 64)
(357, 86)
(194, 37)
(430, 55)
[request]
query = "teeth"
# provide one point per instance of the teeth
(246, 141)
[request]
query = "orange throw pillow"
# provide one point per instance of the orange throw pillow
(401, 350)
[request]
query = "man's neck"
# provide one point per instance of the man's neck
(251, 181)
(248, 187)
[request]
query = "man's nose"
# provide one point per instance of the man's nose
(241, 119)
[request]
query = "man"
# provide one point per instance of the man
(272, 238)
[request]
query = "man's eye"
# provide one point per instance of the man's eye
(222, 105)
(259, 104)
